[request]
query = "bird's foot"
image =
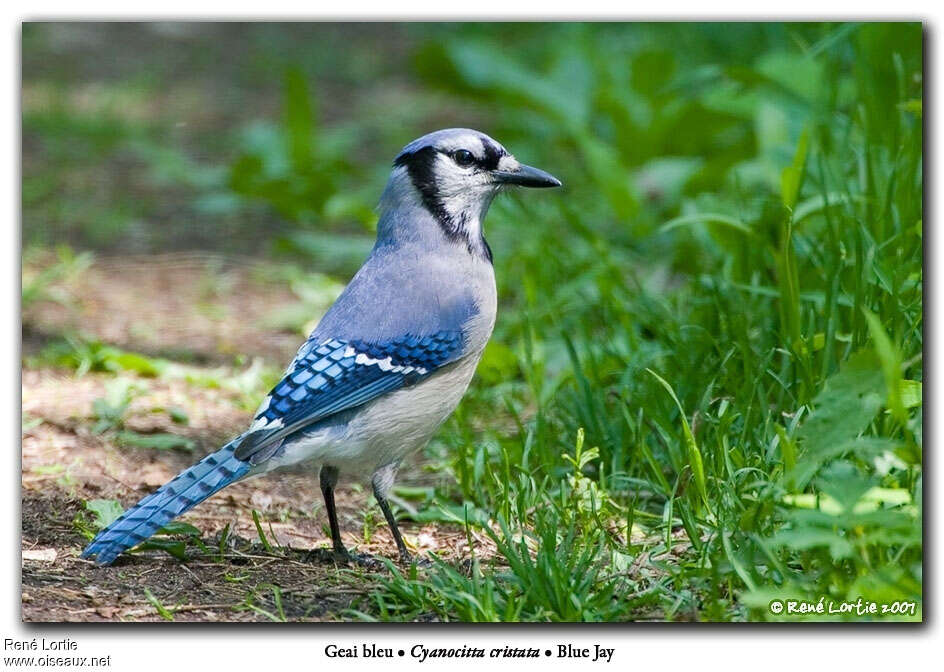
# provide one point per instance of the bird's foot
(365, 560)
(329, 555)
(407, 559)
(343, 557)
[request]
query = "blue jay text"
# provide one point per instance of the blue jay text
(599, 653)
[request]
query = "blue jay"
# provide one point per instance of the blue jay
(392, 357)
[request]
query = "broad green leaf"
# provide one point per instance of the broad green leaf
(795, 71)
(106, 511)
(804, 538)
(158, 441)
(863, 447)
(843, 482)
(844, 407)
(177, 549)
(179, 527)
(414, 492)
(487, 69)
(132, 361)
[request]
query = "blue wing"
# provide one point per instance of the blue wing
(336, 375)
(325, 378)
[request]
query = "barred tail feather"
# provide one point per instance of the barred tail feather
(185, 491)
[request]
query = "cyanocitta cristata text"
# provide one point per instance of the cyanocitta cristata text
(392, 357)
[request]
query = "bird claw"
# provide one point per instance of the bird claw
(329, 555)
(407, 559)
(339, 557)
(365, 560)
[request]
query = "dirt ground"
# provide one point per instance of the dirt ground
(181, 305)
(65, 463)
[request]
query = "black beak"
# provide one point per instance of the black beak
(526, 176)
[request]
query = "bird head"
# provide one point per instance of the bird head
(454, 174)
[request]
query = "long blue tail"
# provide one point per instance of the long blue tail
(211, 474)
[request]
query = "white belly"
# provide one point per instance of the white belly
(383, 431)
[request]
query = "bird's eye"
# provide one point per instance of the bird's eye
(463, 157)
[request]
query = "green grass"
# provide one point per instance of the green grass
(704, 388)
(736, 353)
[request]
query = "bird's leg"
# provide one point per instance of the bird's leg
(329, 478)
(382, 482)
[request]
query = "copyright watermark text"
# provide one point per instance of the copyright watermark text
(828, 607)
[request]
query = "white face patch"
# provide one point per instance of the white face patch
(508, 162)
(465, 195)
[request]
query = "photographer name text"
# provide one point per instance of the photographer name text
(827, 607)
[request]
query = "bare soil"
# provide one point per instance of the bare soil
(191, 305)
